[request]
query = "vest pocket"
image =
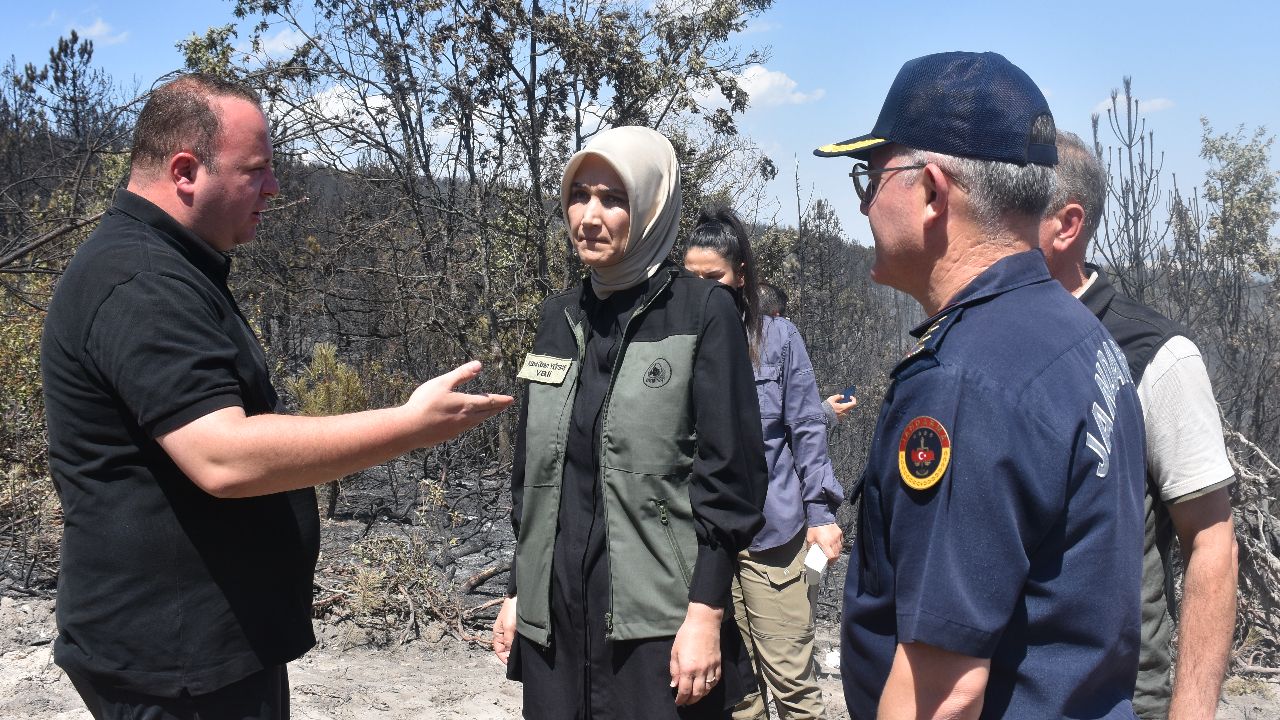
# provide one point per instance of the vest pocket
(653, 548)
(665, 519)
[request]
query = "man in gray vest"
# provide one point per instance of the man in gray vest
(1187, 468)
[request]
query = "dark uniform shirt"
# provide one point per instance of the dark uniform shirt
(163, 587)
(1002, 507)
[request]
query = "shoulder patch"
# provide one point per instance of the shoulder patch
(927, 345)
(932, 338)
(924, 451)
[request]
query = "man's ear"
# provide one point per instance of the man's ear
(1069, 233)
(937, 193)
(183, 169)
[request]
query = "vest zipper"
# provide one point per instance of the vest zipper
(608, 397)
(671, 538)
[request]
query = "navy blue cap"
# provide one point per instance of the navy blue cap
(974, 105)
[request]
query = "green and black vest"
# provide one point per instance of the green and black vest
(647, 447)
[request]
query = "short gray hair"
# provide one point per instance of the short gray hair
(1000, 189)
(1080, 178)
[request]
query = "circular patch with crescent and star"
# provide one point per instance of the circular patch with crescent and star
(923, 453)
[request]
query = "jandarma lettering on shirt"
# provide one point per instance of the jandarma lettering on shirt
(1110, 373)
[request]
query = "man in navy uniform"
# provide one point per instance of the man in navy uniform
(999, 550)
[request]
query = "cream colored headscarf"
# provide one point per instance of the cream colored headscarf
(647, 164)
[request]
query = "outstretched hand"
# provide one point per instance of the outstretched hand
(442, 413)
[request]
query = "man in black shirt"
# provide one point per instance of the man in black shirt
(191, 531)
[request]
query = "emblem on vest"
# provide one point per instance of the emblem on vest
(658, 374)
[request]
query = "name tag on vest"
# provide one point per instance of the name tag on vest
(544, 369)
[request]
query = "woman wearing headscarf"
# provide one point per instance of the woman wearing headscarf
(638, 473)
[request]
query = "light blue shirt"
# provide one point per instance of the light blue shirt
(803, 491)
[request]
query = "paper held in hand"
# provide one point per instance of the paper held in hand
(815, 561)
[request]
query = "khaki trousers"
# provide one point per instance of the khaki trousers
(774, 606)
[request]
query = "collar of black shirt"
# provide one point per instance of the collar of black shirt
(211, 262)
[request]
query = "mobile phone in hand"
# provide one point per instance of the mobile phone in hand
(848, 393)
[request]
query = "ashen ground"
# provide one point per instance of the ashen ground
(441, 679)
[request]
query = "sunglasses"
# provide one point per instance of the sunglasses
(866, 193)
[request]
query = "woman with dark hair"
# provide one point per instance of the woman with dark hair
(773, 601)
(638, 474)
(719, 250)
